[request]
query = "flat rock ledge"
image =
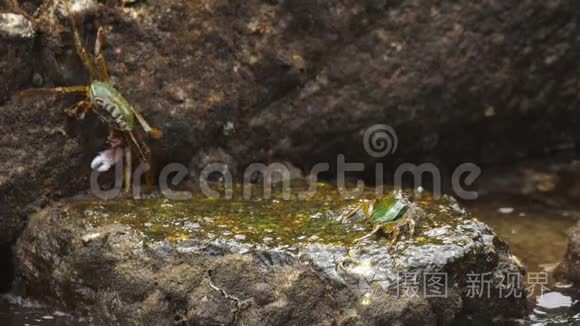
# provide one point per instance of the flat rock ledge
(264, 262)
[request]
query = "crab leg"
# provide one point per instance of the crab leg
(57, 90)
(145, 156)
(373, 232)
(127, 169)
(153, 132)
(143, 151)
(78, 110)
(81, 51)
(99, 58)
(395, 237)
(365, 207)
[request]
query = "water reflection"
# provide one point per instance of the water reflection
(17, 311)
(537, 236)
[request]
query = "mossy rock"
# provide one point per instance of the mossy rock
(259, 261)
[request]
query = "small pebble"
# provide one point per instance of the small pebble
(489, 111)
(177, 94)
(190, 225)
(240, 237)
(228, 128)
(91, 236)
(37, 79)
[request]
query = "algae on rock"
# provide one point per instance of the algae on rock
(260, 262)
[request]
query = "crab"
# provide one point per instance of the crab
(106, 101)
(389, 215)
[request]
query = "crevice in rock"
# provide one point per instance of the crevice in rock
(7, 270)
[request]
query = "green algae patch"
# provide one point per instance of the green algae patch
(272, 222)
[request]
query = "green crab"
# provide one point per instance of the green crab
(389, 215)
(105, 100)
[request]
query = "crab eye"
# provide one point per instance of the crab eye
(106, 159)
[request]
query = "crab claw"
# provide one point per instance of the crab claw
(106, 159)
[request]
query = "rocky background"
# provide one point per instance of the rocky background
(299, 81)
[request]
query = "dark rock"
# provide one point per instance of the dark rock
(570, 266)
(456, 84)
(7, 271)
(16, 35)
(141, 263)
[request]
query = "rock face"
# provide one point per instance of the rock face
(570, 266)
(16, 34)
(296, 81)
(264, 262)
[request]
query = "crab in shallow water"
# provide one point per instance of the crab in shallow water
(106, 101)
(389, 215)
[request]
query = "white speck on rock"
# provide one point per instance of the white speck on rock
(228, 128)
(489, 111)
(190, 225)
(437, 232)
(15, 26)
(458, 209)
(505, 210)
(91, 236)
(77, 7)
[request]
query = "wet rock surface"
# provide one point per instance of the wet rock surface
(570, 266)
(260, 262)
